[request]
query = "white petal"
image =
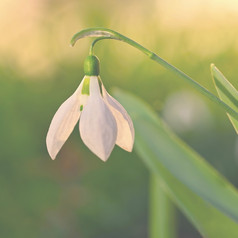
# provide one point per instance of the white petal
(125, 128)
(97, 125)
(63, 122)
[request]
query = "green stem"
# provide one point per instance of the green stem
(161, 216)
(104, 33)
(94, 42)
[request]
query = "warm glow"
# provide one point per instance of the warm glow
(37, 35)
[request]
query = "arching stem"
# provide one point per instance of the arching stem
(104, 33)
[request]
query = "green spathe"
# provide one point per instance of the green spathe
(91, 66)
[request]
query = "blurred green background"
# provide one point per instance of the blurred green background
(77, 195)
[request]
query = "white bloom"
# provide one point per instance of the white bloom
(103, 121)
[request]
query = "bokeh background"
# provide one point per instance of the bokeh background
(77, 195)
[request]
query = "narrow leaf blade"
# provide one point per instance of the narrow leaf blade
(181, 161)
(209, 221)
(226, 92)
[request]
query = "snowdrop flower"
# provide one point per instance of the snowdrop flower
(103, 122)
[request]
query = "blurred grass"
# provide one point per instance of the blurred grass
(77, 195)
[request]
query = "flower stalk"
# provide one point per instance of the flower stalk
(162, 214)
(104, 33)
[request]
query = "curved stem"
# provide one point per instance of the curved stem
(104, 33)
(95, 41)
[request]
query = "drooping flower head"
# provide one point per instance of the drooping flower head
(103, 122)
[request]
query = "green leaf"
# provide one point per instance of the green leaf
(226, 92)
(209, 221)
(163, 148)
